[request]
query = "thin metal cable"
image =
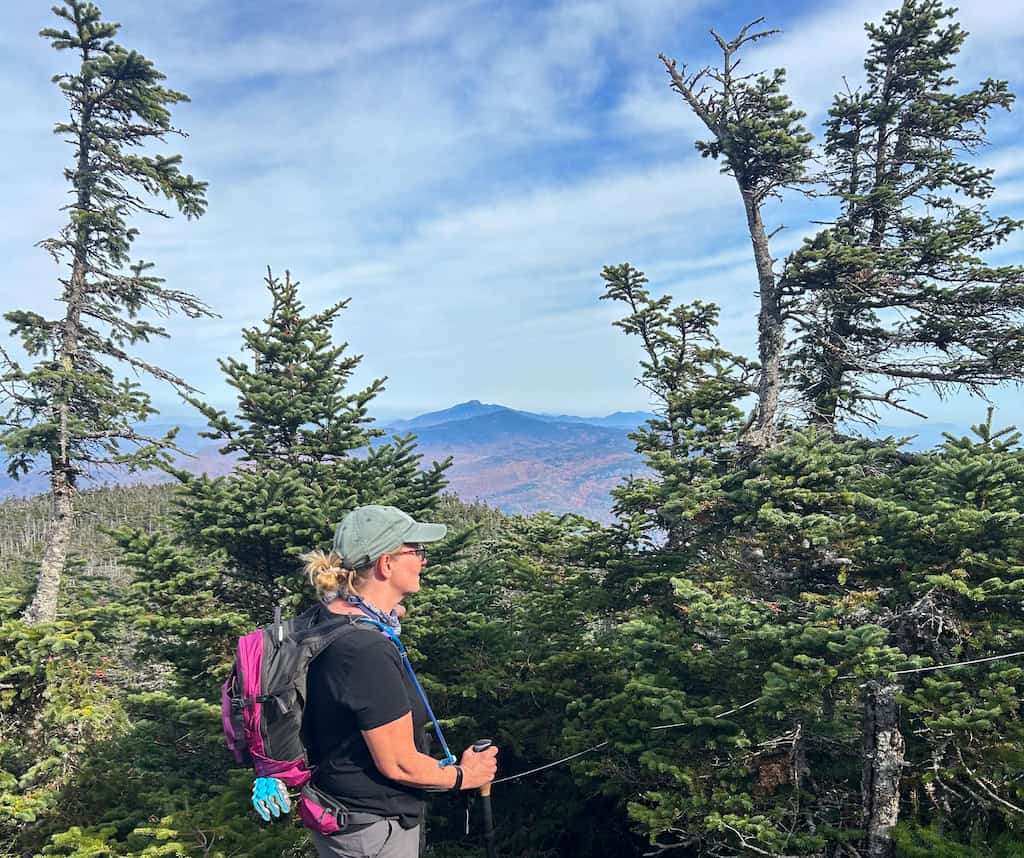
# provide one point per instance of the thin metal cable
(961, 663)
(604, 743)
(744, 706)
(549, 765)
(720, 715)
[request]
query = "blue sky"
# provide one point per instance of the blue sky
(462, 171)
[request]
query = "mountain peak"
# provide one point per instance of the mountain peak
(462, 411)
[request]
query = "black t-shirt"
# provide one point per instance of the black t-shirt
(359, 683)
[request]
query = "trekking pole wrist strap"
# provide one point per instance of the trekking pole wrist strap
(458, 778)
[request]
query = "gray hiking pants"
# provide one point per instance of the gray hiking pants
(384, 839)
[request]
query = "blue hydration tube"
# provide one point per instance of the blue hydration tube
(449, 757)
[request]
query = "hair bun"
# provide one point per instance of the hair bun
(325, 571)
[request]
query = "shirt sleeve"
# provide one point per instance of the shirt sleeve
(375, 688)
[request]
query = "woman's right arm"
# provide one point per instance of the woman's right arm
(395, 756)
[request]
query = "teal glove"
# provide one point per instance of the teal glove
(270, 798)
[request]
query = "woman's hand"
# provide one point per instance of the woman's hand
(478, 768)
(394, 753)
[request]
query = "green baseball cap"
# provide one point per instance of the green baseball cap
(370, 531)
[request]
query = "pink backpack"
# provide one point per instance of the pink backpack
(263, 698)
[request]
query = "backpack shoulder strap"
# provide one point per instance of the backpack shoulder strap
(322, 635)
(449, 757)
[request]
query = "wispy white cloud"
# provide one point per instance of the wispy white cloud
(1009, 193)
(822, 51)
(461, 169)
(1005, 162)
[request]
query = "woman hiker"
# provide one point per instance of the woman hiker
(363, 723)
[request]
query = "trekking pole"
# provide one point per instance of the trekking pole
(485, 800)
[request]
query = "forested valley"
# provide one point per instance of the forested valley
(793, 640)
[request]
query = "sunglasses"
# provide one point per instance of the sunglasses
(420, 552)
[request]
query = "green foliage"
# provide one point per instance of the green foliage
(756, 590)
(897, 294)
(307, 457)
(503, 638)
(916, 841)
(756, 132)
(710, 648)
(759, 137)
(697, 386)
(795, 576)
(69, 406)
(55, 708)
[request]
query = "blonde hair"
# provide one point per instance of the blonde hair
(329, 576)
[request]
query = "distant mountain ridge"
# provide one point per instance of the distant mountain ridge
(462, 411)
(523, 462)
(518, 461)
(475, 408)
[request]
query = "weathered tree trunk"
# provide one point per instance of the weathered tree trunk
(44, 603)
(883, 761)
(770, 321)
(63, 471)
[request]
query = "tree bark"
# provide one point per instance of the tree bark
(63, 471)
(44, 603)
(883, 761)
(770, 321)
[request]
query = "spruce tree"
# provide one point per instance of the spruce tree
(801, 541)
(810, 593)
(955, 550)
(725, 582)
(69, 408)
(757, 135)
(306, 454)
(697, 387)
(897, 295)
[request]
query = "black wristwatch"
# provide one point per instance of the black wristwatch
(458, 778)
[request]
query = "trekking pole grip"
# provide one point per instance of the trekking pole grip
(479, 746)
(485, 799)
